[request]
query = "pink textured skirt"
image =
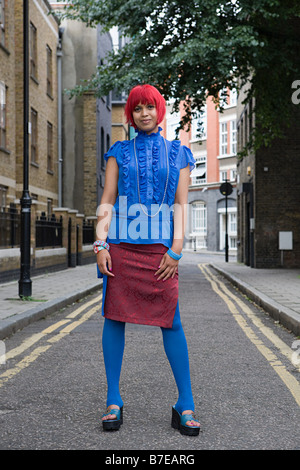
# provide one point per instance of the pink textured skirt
(134, 295)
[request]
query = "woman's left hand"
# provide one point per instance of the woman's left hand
(168, 267)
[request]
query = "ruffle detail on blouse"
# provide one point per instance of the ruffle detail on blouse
(173, 172)
(187, 158)
(142, 165)
(145, 134)
(126, 161)
(114, 150)
(156, 185)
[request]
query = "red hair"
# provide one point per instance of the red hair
(145, 94)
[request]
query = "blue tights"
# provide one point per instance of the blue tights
(113, 343)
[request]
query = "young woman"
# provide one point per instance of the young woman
(140, 232)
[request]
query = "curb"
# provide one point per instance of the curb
(287, 317)
(9, 326)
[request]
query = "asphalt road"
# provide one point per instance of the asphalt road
(246, 388)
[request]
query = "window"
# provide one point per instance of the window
(233, 97)
(49, 147)
(102, 149)
(232, 222)
(49, 207)
(199, 218)
(33, 51)
(108, 100)
(199, 125)
(233, 138)
(2, 22)
(223, 138)
(232, 230)
(3, 193)
(172, 125)
(233, 175)
(228, 98)
(34, 148)
(2, 115)
(107, 142)
(223, 175)
(49, 71)
(199, 172)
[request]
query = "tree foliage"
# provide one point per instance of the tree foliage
(191, 49)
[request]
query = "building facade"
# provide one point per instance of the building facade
(43, 38)
(212, 140)
(268, 189)
(42, 82)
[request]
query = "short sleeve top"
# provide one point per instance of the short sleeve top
(149, 168)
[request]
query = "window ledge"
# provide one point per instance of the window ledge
(34, 79)
(228, 155)
(3, 149)
(4, 49)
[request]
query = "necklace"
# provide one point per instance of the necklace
(138, 185)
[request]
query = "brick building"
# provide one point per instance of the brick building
(268, 188)
(215, 153)
(43, 104)
(7, 105)
(43, 118)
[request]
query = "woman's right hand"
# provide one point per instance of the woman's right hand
(104, 262)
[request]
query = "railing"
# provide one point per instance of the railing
(48, 231)
(10, 227)
(88, 232)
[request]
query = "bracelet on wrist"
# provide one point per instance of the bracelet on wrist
(174, 255)
(99, 245)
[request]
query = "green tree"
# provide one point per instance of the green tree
(191, 49)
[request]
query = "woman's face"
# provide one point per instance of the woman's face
(145, 117)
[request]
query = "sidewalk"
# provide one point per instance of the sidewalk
(276, 290)
(50, 292)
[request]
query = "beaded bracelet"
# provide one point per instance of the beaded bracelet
(100, 245)
(98, 248)
(174, 255)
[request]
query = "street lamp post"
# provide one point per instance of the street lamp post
(226, 190)
(25, 284)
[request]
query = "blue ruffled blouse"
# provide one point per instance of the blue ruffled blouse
(129, 222)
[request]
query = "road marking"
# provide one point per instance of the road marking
(9, 373)
(30, 358)
(38, 336)
(83, 307)
(283, 348)
(287, 378)
(32, 340)
(71, 326)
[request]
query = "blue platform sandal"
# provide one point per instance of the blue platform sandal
(179, 422)
(113, 424)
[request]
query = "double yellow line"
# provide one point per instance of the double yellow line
(71, 323)
(231, 301)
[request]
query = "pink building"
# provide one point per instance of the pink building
(215, 153)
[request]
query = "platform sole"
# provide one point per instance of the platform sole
(184, 430)
(113, 424)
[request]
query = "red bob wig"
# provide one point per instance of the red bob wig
(145, 94)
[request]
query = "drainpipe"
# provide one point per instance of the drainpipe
(59, 55)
